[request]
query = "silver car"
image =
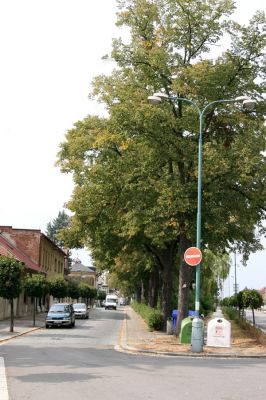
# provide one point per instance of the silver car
(81, 310)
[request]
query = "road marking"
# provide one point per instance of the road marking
(3, 384)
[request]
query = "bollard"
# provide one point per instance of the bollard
(197, 335)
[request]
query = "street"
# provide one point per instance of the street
(81, 364)
(260, 318)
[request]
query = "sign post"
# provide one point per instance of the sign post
(193, 257)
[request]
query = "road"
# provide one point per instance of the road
(260, 318)
(81, 364)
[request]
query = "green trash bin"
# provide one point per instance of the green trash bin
(186, 330)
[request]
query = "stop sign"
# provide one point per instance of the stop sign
(193, 256)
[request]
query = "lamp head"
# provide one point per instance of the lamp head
(157, 98)
(247, 102)
(154, 100)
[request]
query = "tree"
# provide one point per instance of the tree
(252, 299)
(73, 289)
(11, 282)
(54, 231)
(87, 292)
(58, 287)
(35, 286)
(135, 171)
(53, 228)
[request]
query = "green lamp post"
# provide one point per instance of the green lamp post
(249, 104)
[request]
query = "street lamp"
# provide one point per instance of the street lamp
(249, 104)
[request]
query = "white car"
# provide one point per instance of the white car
(81, 310)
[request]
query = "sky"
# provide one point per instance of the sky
(50, 52)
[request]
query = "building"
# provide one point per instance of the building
(82, 272)
(39, 255)
(263, 294)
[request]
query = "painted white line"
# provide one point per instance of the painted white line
(3, 384)
(193, 256)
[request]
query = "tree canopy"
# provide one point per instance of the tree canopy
(135, 171)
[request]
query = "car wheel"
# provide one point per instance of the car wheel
(47, 326)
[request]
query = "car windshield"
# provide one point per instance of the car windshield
(111, 301)
(77, 305)
(59, 308)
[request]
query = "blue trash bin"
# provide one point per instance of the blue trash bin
(174, 316)
(191, 313)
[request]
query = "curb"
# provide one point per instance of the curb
(6, 339)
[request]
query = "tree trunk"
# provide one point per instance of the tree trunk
(138, 293)
(186, 275)
(165, 260)
(11, 301)
(34, 310)
(153, 288)
(166, 263)
(253, 316)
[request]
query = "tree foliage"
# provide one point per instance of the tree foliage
(58, 287)
(135, 171)
(35, 286)
(11, 282)
(54, 228)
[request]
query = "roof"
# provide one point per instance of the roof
(18, 254)
(77, 266)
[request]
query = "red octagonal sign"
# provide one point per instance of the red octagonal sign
(193, 256)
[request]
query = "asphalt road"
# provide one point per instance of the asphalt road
(81, 364)
(260, 318)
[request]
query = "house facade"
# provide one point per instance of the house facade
(39, 255)
(82, 272)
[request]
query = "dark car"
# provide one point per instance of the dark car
(60, 314)
(81, 310)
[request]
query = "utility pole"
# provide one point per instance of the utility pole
(235, 274)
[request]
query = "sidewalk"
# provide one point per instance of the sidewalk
(22, 325)
(135, 338)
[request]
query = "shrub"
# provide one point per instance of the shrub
(155, 320)
(152, 317)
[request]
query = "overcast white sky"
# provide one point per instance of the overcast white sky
(50, 51)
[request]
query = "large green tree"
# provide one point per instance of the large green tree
(135, 171)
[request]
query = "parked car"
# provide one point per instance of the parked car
(81, 310)
(60, 314)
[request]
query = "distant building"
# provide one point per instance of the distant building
(83, 272)
(34, 249)
(38, 253)
(263, 294)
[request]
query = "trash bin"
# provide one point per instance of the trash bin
(169, 326)
(219, 333)
(174, 316)
(185, 331)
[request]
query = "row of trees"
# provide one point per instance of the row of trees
(134, 204)
(14, 279)
(247, 298)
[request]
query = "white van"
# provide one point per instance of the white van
(111, 301)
